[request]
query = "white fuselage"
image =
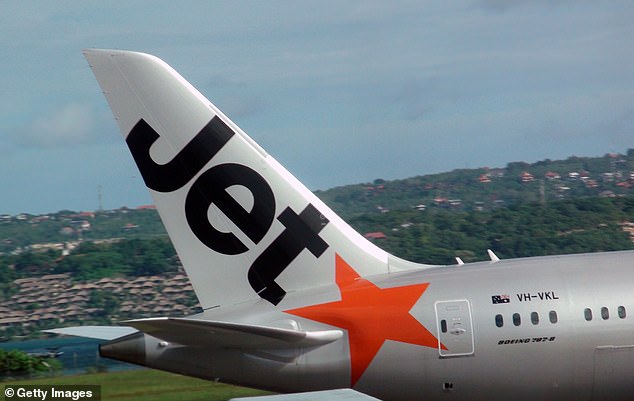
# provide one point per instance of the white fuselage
(545, 347)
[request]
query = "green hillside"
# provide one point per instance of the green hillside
(436, 236)
(488, 188)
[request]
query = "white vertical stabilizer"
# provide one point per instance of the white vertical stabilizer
(242, 225)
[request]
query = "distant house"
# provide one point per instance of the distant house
(551, 175)
(607, 194)
(39, 219)
(11, 321)
(455, 202)
(54, 277)
(22, 281)
(484, 178)
(66, 231)
(527, 177)
(375, 235)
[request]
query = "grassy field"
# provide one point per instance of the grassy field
(146, 385)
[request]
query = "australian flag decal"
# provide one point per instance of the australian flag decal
(500, 299)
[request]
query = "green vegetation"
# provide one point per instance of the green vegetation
(92, 260)
(134, 257)
(436, 236)
(14, 363)
(488, 188)
(142, 385)
(21, 232)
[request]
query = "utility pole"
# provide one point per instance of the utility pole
(99, 198)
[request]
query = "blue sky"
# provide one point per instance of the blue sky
(339, 92)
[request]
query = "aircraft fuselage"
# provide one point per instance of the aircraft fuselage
(547, 328)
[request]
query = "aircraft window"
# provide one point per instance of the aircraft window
(552, 316)
(443, 326)
(587, 313)
(517, 320)
(499, 320)
(534, 317)
(622, 312)
(605, 314)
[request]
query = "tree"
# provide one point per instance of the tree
(18, 363)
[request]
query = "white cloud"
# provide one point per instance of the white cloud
(72, 124)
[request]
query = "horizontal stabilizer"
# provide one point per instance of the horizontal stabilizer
(329, 395)
(230, 335)
(98, 332)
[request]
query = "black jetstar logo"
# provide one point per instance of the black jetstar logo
(301, 230)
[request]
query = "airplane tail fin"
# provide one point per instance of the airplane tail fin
(242, 225)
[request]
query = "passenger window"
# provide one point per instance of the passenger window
(499, 320)
(587, 313)
(517, 320)
(534, 317)
(622, 313)
(443, 326)
(552, 316)
(605, 314)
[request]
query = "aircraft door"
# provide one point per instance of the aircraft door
(455, 328)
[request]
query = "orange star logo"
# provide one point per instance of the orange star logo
(371, 315)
